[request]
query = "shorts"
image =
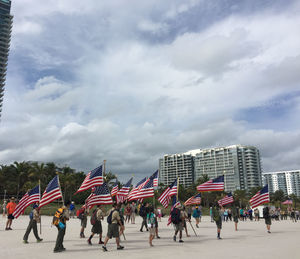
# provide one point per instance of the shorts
(179, 227)
(268, 221)
(236, 219)
(152, 231)
(219, 224)
(113, 230)
(10, 216)
(84, 222)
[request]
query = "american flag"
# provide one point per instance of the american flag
(174, 204)
(194, 200)
(260, 197)
(30, 197)
(115, 188)
(145, 192)
(216, 184)
(164, 198)
(155, 179)
(101, 195)
(123, 192)
(135, 190)
(93, 178)
(226, 200)
(52, 192)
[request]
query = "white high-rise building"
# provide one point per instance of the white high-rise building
(287, 181)
(240, 165)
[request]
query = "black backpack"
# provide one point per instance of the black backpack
(175, 216)
(265, 213)
(109, 218)
(143, 212)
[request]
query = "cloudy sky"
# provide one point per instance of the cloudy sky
(129, 81)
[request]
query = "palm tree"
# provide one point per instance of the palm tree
(22, 173)
(241, 196)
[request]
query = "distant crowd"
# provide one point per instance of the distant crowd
(121, 214)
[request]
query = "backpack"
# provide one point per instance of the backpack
(175, 216)
(79, 213)
(265, 212)
(57, 216)
(94, 217)
(143, 212)
(109, 218)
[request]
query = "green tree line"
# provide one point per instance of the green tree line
(19, 177)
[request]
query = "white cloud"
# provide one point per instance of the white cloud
(97, 89)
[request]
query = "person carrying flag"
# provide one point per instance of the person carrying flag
(114, 221)
(235, 213)
(143, 213)
(216, 214)
(59, 220)
(267, 217)
(82, 215)
(96, 218)
(177, 218)
(34, 219)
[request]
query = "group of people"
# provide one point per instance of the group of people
(120, 214)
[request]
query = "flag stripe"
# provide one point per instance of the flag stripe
(92, 179)
(226, 200)
(29, 198)
(216, 184)
(52, 192)
(194, 200)
(260, 197)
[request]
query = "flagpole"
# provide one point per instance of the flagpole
(104, 161)
(62, 197)
(177, 188)
(38, 208)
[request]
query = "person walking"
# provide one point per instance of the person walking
(34, 219)
(133, 212)
(293, 215)
(256, 215)
(10, 208)
(114, 221)
(159, 214)
(151, 225)
(128, 212)
(82, 215)
(211, 215)
(72, 210)
(225, 215)
(235, 214)
(143, 213)
(156, 213)
(177, 218)
(267, 217)
(96, 218)
(229, 214)
(60, 221)
(250, 213)
(217, 218)
(196, 216)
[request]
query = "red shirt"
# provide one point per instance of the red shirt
(11, 206)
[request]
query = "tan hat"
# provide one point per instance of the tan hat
(178, 206)
(12, 198)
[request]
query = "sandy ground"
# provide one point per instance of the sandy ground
(251, 241)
